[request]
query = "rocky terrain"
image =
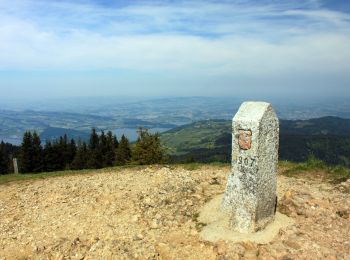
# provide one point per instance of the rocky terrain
(152, 213)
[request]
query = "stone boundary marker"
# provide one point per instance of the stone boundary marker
(250, 196)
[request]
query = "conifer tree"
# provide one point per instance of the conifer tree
(25, 153)
(4, 159)
(103, 148)
(123, 152)
(72, 149)
(81, 157)
(59, 154)
(95, 161)
(115, 141)
(37, 154)
(110, 151)
(52, 156)
(63, 150)
(48, 161)
(148, 149)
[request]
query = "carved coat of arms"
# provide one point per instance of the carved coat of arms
(245, 139)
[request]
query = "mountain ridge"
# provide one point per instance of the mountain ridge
(326, 138)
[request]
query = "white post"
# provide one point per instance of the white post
(15, 165)
(250, 197)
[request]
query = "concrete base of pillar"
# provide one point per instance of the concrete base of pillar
(218, 226)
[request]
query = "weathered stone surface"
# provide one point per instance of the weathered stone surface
(250, 196)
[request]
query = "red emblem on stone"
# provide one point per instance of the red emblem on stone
(245, 139)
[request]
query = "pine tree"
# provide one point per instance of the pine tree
(148, 149)
(115, 141)
(123, 152)
(48, 162)
(71, 151)
(25, 162)
(110, 151)
(52, 156)
(4, 159)
(95, 161)
(59, 154)
(81, 157)
(37, 154)
(63, 150)
(103, 148)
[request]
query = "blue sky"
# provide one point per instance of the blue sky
(174, 48)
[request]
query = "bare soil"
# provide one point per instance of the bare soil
(152, 213)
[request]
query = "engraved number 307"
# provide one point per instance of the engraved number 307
(246, 161)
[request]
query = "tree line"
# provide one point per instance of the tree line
(6, 153)
(101, 150)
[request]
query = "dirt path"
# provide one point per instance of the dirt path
(153, 213)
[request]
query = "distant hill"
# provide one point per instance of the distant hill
(326, 138)
(329, 125)
(117, 114)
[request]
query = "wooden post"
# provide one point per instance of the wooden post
(15, 165)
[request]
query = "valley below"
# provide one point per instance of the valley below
(76, 116)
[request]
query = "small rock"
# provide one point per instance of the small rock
(292, 244)
(344, 186)
(163, 251)
(237, 248)
(154, 224)
(148, 201)
(343, 213)
(193, 232)
(135, 218)
(138, 237)
(251, 254)
(95, 246)
(79, 256)
(248, 245)
(220, 248)
(189, 202)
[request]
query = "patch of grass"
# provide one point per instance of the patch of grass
(195, 217)
(339, 174)
(192, 166)
(220, 164)
(197, 165)
(334, 174)
(35, 176)
(200, 226)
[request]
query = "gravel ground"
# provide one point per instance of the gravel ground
(152, 213)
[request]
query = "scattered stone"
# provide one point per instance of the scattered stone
(251, 254)
(221, 247)
(288, 205)
(46, 227)
(138, 237)
(344, 186)
(343, 213)
(154, 224)
(135, 218)
(292, 243)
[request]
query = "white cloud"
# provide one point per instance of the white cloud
(200, 38)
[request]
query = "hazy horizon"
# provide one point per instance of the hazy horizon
(242, 48)
(85, 103)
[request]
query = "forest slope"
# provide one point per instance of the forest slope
(326, 138)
